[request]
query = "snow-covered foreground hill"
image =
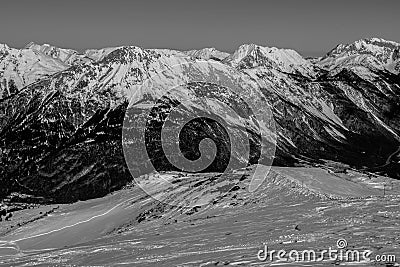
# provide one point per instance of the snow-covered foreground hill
(211, 220)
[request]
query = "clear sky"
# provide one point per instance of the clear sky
(311, 27)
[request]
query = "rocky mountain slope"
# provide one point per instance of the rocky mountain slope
(62, 112)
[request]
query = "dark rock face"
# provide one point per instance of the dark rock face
(396, 54)
(62, 137)
(53, 147)
(191, 136)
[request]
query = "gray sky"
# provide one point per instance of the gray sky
(310, 27)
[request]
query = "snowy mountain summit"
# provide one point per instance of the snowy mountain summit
(375, 53)
(284, 60)
(207, 53)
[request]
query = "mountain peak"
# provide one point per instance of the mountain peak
(207, 53)
(380, 41)
(33, 45)
(64, 55)
(30, 45)
(371, 53)
(4, 47)
(284, 60)
(373, 46)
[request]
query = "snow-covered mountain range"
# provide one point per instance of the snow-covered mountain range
(372, 53)
(62, 111)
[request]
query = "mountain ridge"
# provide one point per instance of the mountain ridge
(60, 137)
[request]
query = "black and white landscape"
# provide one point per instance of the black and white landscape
(131, 156)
